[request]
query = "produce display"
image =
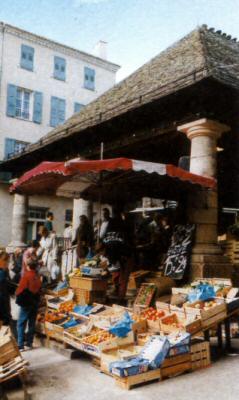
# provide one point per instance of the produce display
(101, 336)
(164, 333)
(83, 330)
(173, 321)
(202, 305)
(145, 295)
(152, 314)
(67, 306)
(55, 316)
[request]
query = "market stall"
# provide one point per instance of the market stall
(157, 337)
(154, 339)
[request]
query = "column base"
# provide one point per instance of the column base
(212, 269)
(207, 249)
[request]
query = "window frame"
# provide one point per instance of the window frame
(27, 52)
(89, 73)
(59, 61)
(17, 142)
(25, 113)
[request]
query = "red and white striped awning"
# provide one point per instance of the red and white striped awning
(47, 177)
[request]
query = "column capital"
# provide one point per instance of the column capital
(203, 127)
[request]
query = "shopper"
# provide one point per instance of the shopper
(17, 260)
(48, 223)
(84, 237)
(5, 311)
(28, 296)
(31, 251)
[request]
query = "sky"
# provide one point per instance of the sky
(136, 30)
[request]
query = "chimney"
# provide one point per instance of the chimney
(100, 49)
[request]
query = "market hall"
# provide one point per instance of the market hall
(152, 117)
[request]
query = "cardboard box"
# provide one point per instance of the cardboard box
(122, 353)
(79, 282)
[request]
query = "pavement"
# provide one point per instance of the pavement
(54, 376)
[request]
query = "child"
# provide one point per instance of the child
(5, 314)
(28, 296)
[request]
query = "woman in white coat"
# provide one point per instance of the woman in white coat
(48, 252)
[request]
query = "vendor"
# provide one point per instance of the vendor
(105, 225)
(84, 237)
(48, 251)
(119, 255)
(48, 223)
(153, 241)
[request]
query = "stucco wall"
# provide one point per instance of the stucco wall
(56, 205)
(41, 79)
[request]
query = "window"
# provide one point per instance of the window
(78, 107)
(68, 216)
(27, 57)
(57, 111)
(37, 213)
(59, 68)
(13, 146)
(89, 78)
(24, 103)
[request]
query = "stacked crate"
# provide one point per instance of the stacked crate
(88, 290)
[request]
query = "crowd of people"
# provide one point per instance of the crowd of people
(114, 239)
(21, 277)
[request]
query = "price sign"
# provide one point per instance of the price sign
(178, 255)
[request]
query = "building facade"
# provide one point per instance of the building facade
(42, 83)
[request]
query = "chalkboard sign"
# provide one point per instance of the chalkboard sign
(178, 255)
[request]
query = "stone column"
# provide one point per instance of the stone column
(203, 205)
(19, 222)
(203, 134)
(81, 207)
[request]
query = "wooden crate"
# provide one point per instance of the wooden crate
(16, 367)
(181, 290)
(187, 325)
(130, 381)
(171, 367)
(208, 317)
(83, 297)
(136, 278)
(144, 302)
(60, 292)
(70, 335)
(161, 306)
(143, 338)
(54, 331)
(200, 355)
(231, 248)
(79, 282)
(114, 343)
(8, 349)
(176, 365)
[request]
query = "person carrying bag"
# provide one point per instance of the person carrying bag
(27, 297)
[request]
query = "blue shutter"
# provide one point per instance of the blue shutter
(89, 78)
(9, 147)
(54, 108)
(27, 57)
(37, 107)
(61, 111)
(78, 107)
(11, 100)
(59, 68)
